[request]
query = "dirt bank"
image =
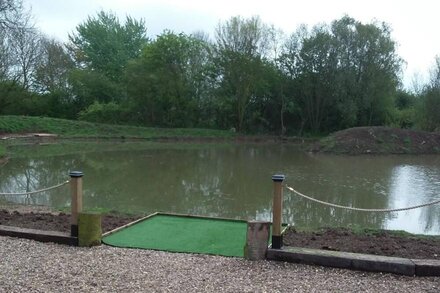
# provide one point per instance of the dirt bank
(379, 140)
(55, 221)
(378, 242)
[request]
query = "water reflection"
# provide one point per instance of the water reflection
(413, 185)
(235, 181)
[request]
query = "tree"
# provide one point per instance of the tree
(52, 72)
(369, 69)
(101, 43)
(27, 50)
(429, 106)
(343, 75)
(241, 44)
(102, 48)
(8, 10)
(166, 85)
(19, 43)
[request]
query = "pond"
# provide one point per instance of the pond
(231, 180)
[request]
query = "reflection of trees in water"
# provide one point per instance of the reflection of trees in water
(26, 175)
(348, 181)
(416, 182)
(304, 213)
(211, 181)
(231, 181)
(430, 216)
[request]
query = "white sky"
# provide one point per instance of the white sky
(415, 24)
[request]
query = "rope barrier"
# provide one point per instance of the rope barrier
(37, 191)
(360, 209)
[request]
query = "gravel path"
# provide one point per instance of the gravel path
(30, 266)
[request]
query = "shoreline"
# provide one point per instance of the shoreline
(367, 241)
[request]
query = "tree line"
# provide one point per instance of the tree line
(250, 76)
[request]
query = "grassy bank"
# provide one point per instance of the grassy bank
(71, 128)
(2, 151)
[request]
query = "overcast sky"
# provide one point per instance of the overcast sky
(415, 24)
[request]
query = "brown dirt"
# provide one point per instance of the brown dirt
(378, 242)
(55, 221)
(380, 140)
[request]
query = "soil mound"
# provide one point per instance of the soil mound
(379, 140)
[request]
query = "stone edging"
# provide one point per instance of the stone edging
(356, 261)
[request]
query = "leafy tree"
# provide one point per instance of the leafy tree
(344, 75)
(241, 44)
(102, 48)
(429, 105)
(167, 83)
(368, 54)
(101, 43)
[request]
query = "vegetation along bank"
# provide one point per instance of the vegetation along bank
(248, 76)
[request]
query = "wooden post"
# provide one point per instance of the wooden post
(257, 238)
(76, 204)
(277, 211)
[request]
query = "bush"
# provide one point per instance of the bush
(429, 110)
(110, 113)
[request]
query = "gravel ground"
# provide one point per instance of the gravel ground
(30, 266)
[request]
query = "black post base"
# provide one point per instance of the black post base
(74, 230)
(277, 242)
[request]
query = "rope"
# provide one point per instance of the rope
(36, 191)
(359, 209)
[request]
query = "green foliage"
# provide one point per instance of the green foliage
(241, 45)
(14, 99)
(165, 85)
(2, 151)
(330, 77)
(52, 72)
(89, 86)
(101, 43)
(69, 128)
(429, 110)
(428, 114)
(342, 75)
(104, 113)
(102, 48)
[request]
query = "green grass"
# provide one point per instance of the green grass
(19, 149)
(71, 128)
(2, 151)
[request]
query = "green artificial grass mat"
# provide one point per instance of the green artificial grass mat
(188, 234)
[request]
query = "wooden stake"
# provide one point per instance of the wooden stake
(76, 204)
(277, 211)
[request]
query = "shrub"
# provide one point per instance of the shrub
(111, 113)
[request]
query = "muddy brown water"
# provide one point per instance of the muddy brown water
(234, 181)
